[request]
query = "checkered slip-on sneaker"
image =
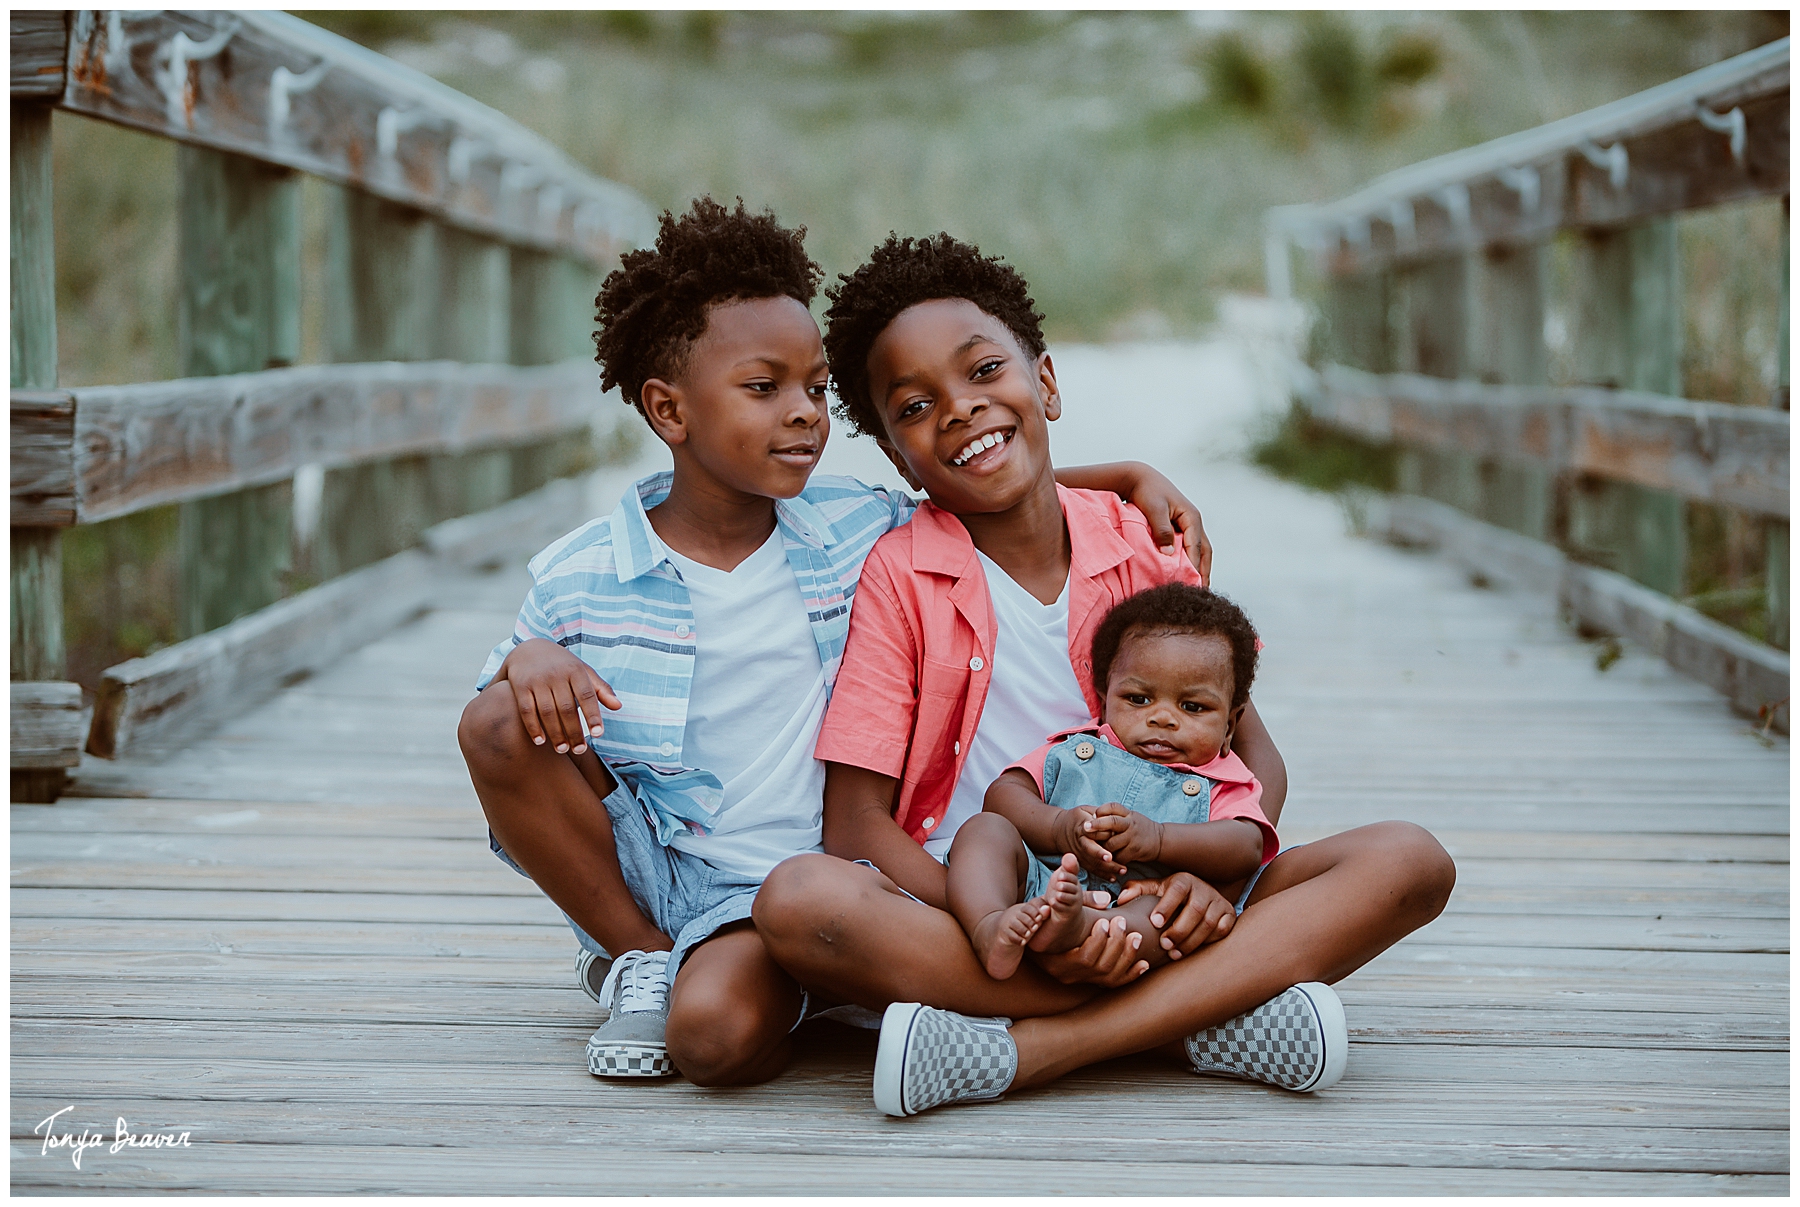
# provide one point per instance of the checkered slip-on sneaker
(930, 1057)
(630, 1042)
(590, 972)
(1296, 1040)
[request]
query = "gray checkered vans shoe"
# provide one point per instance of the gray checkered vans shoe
(930, 1057)
(590, 972)
(630, 1042)
(1296, 1040)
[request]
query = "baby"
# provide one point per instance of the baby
(1152, 792)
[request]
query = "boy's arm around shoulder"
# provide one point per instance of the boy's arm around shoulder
(1172, 517)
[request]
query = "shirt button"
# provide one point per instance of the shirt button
(668, 749)
(681, 630)
(1191, 787)
(956, 748)
(975, 663)
(928, 823)
(1085, 751)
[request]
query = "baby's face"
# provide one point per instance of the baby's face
(1169, 696)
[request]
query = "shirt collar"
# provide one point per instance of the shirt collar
(941, 545)
(637, 549)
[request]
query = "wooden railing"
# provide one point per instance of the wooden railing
(463, 253)
(1434, 284)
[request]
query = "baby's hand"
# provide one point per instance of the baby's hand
(1127, 836)
(1189, 912)
(1072, 838)
(559, 695)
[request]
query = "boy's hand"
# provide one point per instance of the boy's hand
(1190, 912)
(1070, 831)
(559, 695)
(1174, 520)
(1129, 837)
(1108, 957)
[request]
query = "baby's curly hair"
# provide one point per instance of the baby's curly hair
(902, 273)
(653, 306)
(1178, 608)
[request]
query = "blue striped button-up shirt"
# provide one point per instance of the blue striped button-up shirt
(609, 593)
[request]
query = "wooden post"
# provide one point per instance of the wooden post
(239, 312)
(477, 326)
(1776, 571)
(1433, 339)
(1629, 336)
(1506, 346)
(386, 274)
(37, 620)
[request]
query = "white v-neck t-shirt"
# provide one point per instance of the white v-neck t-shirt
(754, 710)
(1031, 692)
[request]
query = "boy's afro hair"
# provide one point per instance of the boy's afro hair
(652, 307)
(1178, 608)
(902, 273)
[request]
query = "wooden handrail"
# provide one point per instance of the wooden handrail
(1673, 147)
(98, 452)
(275, 88)
(1710, 451)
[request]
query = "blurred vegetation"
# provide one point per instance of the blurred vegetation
(1121, 160)
(1300, 448)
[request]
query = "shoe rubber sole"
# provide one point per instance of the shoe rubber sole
(629, 1060)
(1333, 1034)
(890, 1058)
(590, 972)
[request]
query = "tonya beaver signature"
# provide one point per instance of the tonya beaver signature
(80, 1142)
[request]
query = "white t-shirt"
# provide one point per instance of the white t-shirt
(1031, 692)
(754, 711)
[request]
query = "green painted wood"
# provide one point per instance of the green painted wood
(239, 225)
(37, 618)
(552, 308)
(1778, 583)
(1628, 335)
(476, 285)
(1506, 347)
(382, 288)
(387, 278)
(1356, 321)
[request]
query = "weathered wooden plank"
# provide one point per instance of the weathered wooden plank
(272, 87)
(47, 725)
(570, 1169)
(40, 48)
(43, 474)
(1714, 452)
(144, 445)
(158, 700)
(1754, 677)
(1640, 157)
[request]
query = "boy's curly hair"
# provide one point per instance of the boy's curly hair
(902, 273)
(653, 306)
(1178, 608)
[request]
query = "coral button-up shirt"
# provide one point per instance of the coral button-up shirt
(920, 651)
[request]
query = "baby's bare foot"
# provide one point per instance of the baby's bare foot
(999, 939)
(1069, 919)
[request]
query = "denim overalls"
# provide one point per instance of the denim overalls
(1086, 769)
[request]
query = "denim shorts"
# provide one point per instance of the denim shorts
(687, 898)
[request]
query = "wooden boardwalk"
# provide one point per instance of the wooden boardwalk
(291, 942)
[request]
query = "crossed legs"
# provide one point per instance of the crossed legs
(731, 1006)
(1318, 913)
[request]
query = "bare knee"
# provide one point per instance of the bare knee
(1424, 870)
(490, 733)
(716, 1039)
(804, 900)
